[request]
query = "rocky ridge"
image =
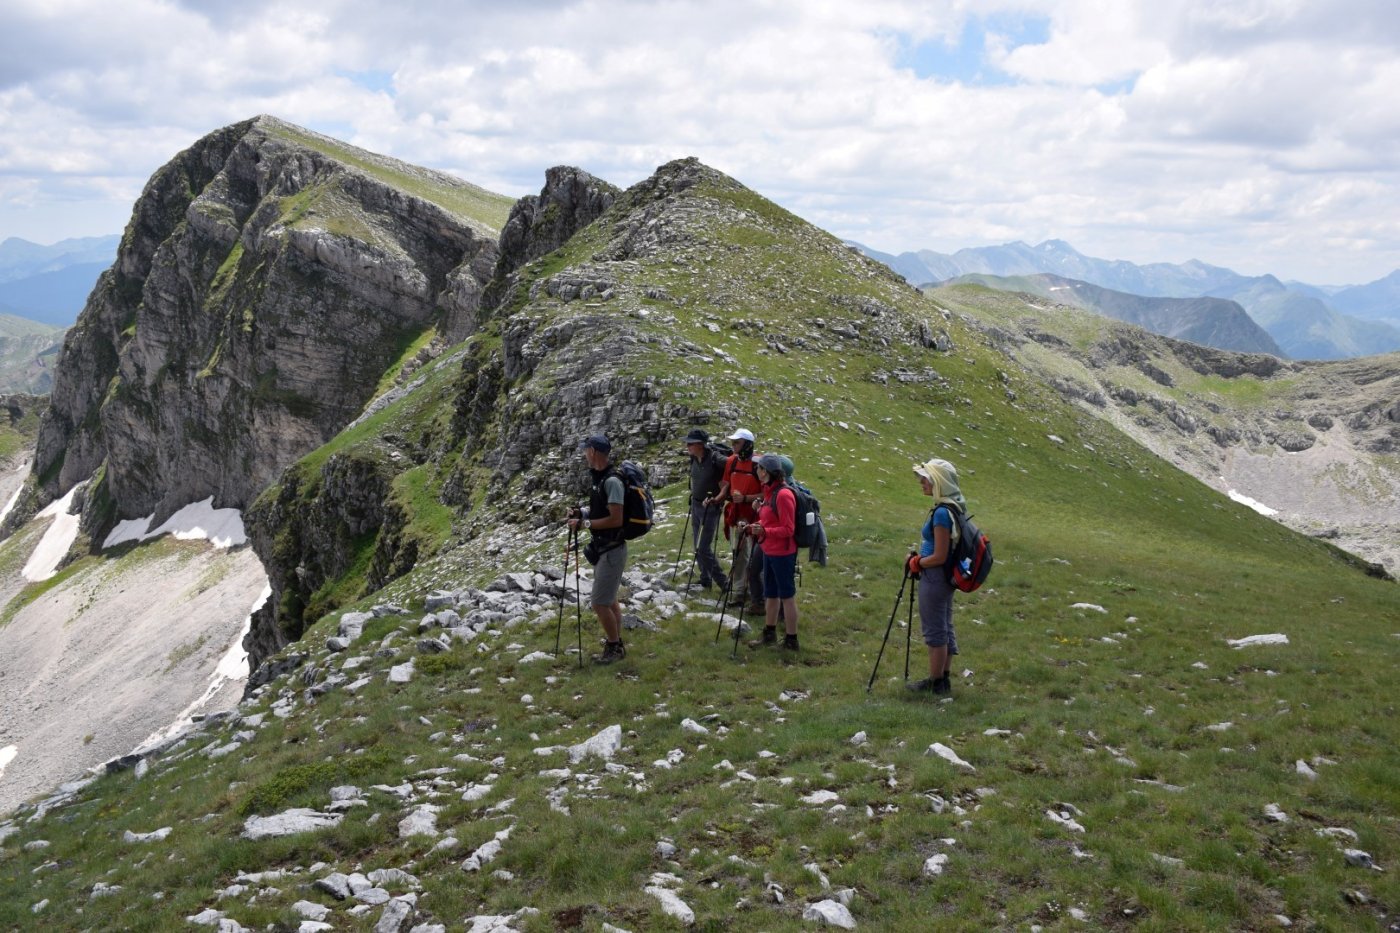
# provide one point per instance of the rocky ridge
(267, 280)
(584, 337)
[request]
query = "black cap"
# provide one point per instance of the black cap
(598, 442)
(697, 436)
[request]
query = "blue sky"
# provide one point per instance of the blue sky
(964, 58)
(1258, 134)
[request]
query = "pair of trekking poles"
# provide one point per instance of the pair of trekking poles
(724, 596)
(908, 628)
(570, 547)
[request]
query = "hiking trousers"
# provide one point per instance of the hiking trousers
(936, 610)
(703, 522)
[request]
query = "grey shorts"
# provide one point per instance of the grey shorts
(607, 575)
(936, 610)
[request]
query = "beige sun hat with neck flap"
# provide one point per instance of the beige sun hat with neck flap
(944, 477)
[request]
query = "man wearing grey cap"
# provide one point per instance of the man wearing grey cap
(706, 471)
(607, 551)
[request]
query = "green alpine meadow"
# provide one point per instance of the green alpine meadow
(1118, 751)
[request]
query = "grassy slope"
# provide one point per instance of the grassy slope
(460, 197)
(1089, 518)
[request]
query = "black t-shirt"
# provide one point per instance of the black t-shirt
(705, 476)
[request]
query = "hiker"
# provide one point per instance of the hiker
(939, 479)
(740, 491)
(774, 531)
(607, 550)
(706, 474)
(816, 552)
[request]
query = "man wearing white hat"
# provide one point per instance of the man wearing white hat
(741, 491)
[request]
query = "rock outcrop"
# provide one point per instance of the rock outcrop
(267, 280)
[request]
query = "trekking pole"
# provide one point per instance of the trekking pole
(578, 599)
(676, 566)
(563, 589)
(743, 604)
(739, 625)
(694, 554)
(888, 628)
(729, 587)
(909, 628)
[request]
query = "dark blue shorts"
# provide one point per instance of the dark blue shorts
(780, 576)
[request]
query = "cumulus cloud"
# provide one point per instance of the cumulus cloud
(1259, 134)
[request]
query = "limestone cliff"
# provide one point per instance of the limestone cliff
(267, 280)
(350, 511)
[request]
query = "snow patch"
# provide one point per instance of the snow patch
(222, 528)
(63, 531)
(1257, 506)
(21, 470)
(7, 755)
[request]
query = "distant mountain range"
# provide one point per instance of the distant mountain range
(1305, 321)
(51, 283)
(1211, 322)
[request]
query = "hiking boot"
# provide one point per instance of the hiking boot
(757, 610)
(722, 582)
(927, 685)
(943, 685)
(612, 651)
(770, 637)
(705, 584)
(789, 642)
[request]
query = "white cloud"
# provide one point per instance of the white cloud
(1259, 134)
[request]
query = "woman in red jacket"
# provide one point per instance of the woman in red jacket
(774, 531)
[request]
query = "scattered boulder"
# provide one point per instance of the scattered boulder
(296, 820)
(603, 745)
(672, 905)
(830, 913)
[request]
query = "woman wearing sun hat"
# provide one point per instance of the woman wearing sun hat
(939, 479)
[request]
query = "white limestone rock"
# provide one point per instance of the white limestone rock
(289, 822)
(1251, 640)
(672, 905)
(1360, 859)
(310, 910)
(155, 836)
(336, 884)
(948, 755)
(934, 865)
(1065, 820)
(401, 673)
(395, 879)
(421, 822)
(603, 745)
(486, 853)
(830, 913)
(395, 913)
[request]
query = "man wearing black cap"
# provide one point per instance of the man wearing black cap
(706, 469)
(608, 549)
